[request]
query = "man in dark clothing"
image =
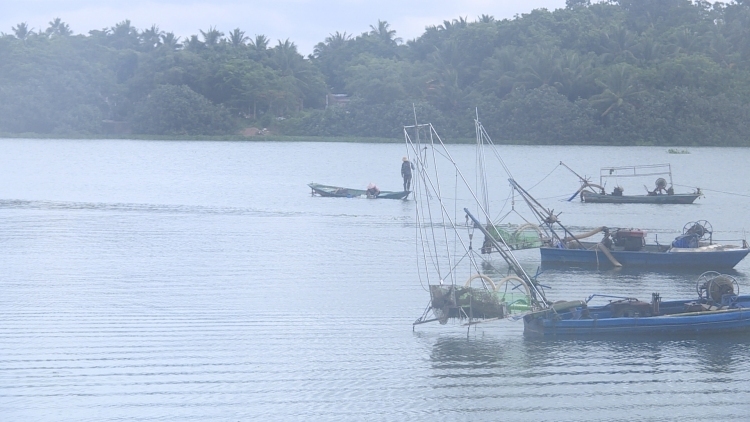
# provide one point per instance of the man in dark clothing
(406, 167)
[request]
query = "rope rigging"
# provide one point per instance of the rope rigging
(713, 190)
(449, 298)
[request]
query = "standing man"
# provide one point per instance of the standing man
(406, 167)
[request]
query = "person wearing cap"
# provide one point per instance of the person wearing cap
(406, 167)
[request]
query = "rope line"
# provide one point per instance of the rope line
(548, 175)
(713, 190)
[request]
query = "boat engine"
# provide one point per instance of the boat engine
(631, 308)
(630, 239)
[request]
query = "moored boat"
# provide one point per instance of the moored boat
(675, 198)
(661, 194)
(718, 309)
(340, 192)
(693, 249)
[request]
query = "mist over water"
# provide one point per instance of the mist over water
(192, 281)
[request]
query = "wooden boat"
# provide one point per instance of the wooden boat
(694, 249)
(718, 309)
(593, 193)
(339, 192)
(677, 198)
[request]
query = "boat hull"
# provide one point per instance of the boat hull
(709, 260)
(597, 198)
(601, 323)
(339, 192)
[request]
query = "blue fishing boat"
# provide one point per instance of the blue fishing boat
(693, 249)
(717, 309)
(619, 247)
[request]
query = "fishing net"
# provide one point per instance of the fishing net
(466, 302)
(527, 236)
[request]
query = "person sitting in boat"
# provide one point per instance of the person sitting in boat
(372, 191)
(617, 191)
(661, 187)
(607, 240)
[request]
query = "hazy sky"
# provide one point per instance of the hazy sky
(304, 22)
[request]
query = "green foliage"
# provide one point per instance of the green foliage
(178, 110)
(620, 72)
(537, 115)
(48, 86)
(361, 118)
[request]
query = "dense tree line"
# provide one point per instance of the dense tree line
(622, 72)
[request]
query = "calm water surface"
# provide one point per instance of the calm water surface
(183, 281)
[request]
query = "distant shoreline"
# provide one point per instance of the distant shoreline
(332, 139)
(233, 138)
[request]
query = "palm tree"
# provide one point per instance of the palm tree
(486, 19)
(332, 42)
(285, 55)
(542, 67)
(453, 25)
(337, 40)
(194, 44)
(617, 43)
(649, 50)
(575, 75)
(445, 89)
(685, 41)
(212, 37)
(382, 32)
(170, 41)
(123, 29)
(237, 38)
(296, 74)
(58, 28)
(446, 26)
(151, 38)
(259, 45)
(619, 87)
(22, 31)
(124, 35)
